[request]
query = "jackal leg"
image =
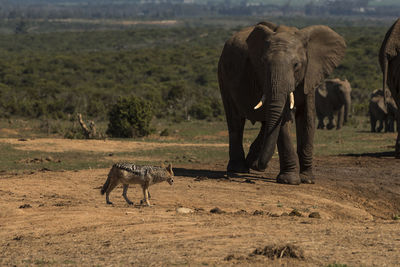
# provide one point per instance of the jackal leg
(125, 190)
(142, 201)
(110, 188)
(146, 195)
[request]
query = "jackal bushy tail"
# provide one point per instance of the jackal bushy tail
(106, 184)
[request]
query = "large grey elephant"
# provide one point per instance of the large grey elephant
(384, 114)
(264, 70)
(389, 59)
(333, 97)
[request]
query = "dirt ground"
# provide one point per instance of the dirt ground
(60, 218)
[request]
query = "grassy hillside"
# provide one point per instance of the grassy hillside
(59, 73)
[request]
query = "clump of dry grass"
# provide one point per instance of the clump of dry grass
(279, 251)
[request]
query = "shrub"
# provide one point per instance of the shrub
(201, 111)
(130, 117)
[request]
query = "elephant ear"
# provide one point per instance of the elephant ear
(270, 25)
(322, 90)
(390, 48)
(391, 44)
(325, 50)
(257, 42)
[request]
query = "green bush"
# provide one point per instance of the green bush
(201, 111)
(130, 117)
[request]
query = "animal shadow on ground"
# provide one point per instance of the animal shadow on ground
(385, 154)
(215, 174)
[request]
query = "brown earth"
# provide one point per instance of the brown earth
(63, 145)
(60, 218)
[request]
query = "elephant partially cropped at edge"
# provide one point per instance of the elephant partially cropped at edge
(259, 70)
(333, 97)
(384, 113)
(389, 59)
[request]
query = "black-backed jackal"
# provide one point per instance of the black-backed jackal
(128, 173)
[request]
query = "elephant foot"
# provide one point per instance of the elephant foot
(237, 166)
(307, 177)
(288, 178)
(397, 153)
(330, 126)
(254, 165)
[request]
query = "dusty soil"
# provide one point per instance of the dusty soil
(60, 218)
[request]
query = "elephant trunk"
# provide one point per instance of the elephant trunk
(347, 107)
(280, 100)
(385, 73)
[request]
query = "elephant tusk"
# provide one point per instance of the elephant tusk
(291, 98)
(261, 102)
(258, 105)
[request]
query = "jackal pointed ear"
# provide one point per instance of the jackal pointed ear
(169, 168)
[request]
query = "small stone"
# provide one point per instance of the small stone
(258, 212)
(295, 213)
(217, 210)
(315, 215)
(25, 206)
(184, 210)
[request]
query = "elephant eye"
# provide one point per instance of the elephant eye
(296, 66)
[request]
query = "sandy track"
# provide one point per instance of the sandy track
(64, 145)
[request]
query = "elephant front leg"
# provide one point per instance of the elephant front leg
(380, 127)
(331, 123)
(321, 124)
(373, 124)
(255, 149)
(287, 158)
(397, 147)
(237, 162)
(305, 129)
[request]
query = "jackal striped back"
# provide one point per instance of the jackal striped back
(158, 173)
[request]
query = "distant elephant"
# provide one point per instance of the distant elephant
(389, 59)
(263, 71)
(333, 97)
(385, 115)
